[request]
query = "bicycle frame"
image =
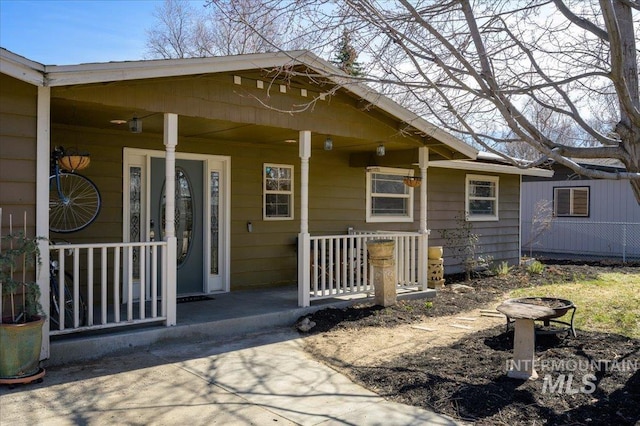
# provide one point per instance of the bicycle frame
(75, 202)
(55, 156)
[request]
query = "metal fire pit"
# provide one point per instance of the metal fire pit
(559, 306)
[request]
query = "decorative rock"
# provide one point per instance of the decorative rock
(461, 288)
(305, 325)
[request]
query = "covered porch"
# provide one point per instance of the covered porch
(105, 282)
(212, 317)
(124, 277)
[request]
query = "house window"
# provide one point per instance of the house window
(278, 192)
(388, 198)
(482, 197)
(571, 201)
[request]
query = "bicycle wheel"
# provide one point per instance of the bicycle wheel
(79, 205)
(54, 312)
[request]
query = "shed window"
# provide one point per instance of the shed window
(388, 198)
(482, 197)
(278, 192)
(571, 201)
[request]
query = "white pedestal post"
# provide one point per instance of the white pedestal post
(384, 271)
(524, 339)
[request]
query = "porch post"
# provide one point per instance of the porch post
(423, 158)
(304, 249)
(170, 142)
(43, 147)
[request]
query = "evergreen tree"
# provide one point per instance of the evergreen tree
(347, 57)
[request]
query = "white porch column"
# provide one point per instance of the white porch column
(170, 142)
(423, 163)
(43, 147)
(304, 249)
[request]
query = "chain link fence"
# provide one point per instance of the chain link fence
(578, 239)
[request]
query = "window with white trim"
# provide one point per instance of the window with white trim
(482, 197)
(388, 198)
(277, 192)
(571, 201)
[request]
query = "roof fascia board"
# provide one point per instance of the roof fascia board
(21, 68)
(66, 75)
(493, 168)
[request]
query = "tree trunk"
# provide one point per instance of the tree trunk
(625, 75)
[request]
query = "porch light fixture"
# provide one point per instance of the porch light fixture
(328, 144)
(135, 125)
(380, 150)
(118, 122)
(290, 141)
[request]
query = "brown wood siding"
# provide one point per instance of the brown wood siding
(337, 198)
(267, 256)
(446, 200)
(18, 132)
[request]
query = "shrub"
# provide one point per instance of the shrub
(535, 268)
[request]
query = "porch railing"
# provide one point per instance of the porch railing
(108, 285)
(340, 263)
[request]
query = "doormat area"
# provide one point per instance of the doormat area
(186, 299)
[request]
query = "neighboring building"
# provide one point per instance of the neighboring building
(590, 218)
(263, 196)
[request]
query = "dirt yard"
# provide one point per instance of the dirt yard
(451, 355)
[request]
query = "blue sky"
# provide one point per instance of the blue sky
(62, 32)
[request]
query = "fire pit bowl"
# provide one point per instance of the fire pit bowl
(559, 307)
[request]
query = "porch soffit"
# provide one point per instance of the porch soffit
(96, 118)
(410, 130)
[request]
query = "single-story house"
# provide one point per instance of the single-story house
(232, 173)
(590, 218)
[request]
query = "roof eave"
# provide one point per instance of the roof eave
(21, 68)
(490, 168)
(66, 75)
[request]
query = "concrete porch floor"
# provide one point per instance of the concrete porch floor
(223, 315)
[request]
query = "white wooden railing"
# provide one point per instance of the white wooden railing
(108, 285)
(340, 264)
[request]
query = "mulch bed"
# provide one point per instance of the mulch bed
(590, 380)
(467, 380)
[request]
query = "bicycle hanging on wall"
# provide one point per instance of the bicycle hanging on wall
(74, 200)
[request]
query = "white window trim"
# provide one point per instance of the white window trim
(389, 219)
(572, 190)
(484, 217)
(265, 192)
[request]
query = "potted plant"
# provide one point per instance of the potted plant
(22, 318)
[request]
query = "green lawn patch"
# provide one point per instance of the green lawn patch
(609, 303)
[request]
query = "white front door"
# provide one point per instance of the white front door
(202, 214)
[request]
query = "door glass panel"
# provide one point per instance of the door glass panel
(135, 184)
(215, 221)
(183, 214)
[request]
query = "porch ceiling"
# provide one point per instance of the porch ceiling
(70, 113)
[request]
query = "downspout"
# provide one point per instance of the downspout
(170, 142)
(423, 163)
(519, 223)
(304, 249)
(43, 144)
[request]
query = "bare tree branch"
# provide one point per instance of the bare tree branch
(581, 22)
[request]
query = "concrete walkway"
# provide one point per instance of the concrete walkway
(260, 379)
